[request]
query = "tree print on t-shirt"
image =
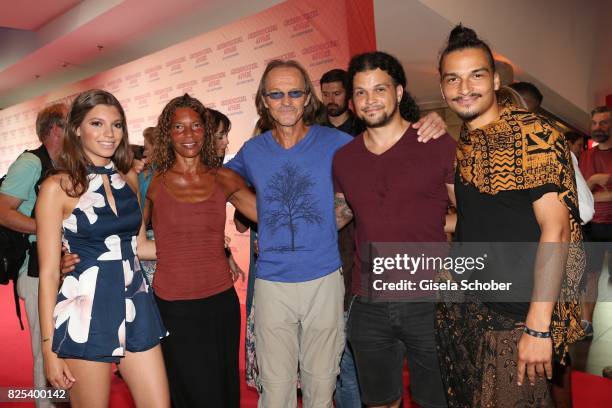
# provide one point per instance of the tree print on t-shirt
(291, 190)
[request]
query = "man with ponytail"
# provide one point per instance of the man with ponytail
(514, 183)
(394, 187)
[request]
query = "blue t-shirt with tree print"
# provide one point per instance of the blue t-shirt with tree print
(298, 239)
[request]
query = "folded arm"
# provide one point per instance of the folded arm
(13, 219)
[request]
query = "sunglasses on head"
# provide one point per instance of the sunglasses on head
(296, 94)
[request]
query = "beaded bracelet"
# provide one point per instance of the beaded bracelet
(538, 334)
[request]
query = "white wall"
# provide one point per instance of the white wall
(601, 66)
(553, 41)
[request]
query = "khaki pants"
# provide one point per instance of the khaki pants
(27, 288)
(299, 323)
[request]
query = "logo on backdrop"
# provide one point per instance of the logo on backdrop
(200, 58)
(244, 73)
(230, 48)
(263, 37)
(213, 81)
(176, 65)
(302, 24)
(132, 80)
(233, 106)
(153, 73)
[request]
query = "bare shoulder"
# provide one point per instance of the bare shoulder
(55, 184)
(53, 192)
(230, 181)
(225, 172)
(229, 177)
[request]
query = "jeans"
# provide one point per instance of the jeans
(382, 334)
(347, 386)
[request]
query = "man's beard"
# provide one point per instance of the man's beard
(334, 110)
(469, 115)
(600, 136)
(382, 121)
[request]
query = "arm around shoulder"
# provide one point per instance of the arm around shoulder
(238, 193)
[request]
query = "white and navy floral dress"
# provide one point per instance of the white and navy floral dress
(105, 306)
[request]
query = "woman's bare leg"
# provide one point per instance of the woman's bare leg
(145, 374)
(92, 386)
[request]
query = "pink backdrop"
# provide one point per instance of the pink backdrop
(222, 68)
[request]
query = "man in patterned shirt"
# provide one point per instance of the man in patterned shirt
(514, 184)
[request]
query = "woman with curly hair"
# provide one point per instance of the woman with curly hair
(104, 312)
(193, 286)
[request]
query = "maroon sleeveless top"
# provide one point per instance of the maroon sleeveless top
(189, 239)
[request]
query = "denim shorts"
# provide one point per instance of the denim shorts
(381, 335)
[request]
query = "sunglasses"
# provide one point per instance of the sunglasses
(276, 95)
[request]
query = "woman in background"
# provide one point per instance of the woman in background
(144, 179)
(243, 224)
(222, 127)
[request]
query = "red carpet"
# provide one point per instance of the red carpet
(16, 368)
(16, 359)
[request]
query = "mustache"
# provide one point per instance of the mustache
(600, 136)
(473, 94)
(371, 107)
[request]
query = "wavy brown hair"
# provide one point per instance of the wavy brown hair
(73, 160)
(312, 111)
(163, 152)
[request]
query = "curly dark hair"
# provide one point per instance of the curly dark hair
(163, 152)
(368, 61)
(73, 160)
